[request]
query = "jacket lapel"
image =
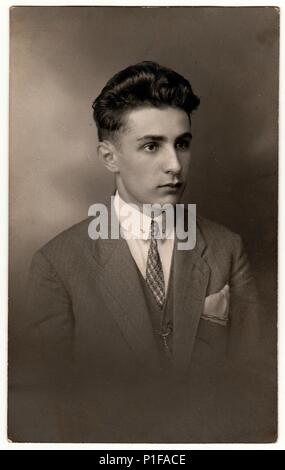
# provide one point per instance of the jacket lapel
(190, 281)
(118, 275)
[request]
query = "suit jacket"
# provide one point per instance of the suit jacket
(91, 325)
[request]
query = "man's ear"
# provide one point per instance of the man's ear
(108, 156)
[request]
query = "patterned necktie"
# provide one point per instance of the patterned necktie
(154, 272)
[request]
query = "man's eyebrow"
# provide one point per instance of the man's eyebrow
(185, 135)
(161, 138)
(152, 137)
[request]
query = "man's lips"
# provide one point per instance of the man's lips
(176, 185)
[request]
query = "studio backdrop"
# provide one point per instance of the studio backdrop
(61, 57)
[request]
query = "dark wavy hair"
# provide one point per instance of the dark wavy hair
(145, 83)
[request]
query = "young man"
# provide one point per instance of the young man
(133, 320)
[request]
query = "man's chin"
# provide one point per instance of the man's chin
(171, 198)
(167, 200)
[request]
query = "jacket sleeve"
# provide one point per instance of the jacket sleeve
(50, 322)
(250, 376)
(245, 309)
(41, 394)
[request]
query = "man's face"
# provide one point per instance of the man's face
(153, 155)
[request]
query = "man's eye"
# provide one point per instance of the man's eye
(151, 147)
(183, 145)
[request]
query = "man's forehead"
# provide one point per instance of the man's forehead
(150, 120)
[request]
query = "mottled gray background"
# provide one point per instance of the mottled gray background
(61, 57)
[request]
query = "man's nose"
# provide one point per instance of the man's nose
(172, 161)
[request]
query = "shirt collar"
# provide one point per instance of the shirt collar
(136, 224)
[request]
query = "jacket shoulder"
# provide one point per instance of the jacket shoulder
(217, 235)
(69, 242)
(225, 252)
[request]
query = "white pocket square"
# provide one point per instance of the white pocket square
(216, 307)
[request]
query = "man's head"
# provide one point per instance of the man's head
(143, 120)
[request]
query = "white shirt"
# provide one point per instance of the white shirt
(135, 228)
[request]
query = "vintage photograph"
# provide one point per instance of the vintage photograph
(143, 224)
